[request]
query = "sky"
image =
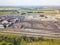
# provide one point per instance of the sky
(29, 2)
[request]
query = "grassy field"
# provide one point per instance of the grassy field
(29, 12)
(6, 12)
(12, 39)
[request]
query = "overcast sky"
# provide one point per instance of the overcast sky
(29, 2)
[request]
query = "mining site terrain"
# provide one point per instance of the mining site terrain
(43, 22)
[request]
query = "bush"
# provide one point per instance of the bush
(3, 43)
(9, 44)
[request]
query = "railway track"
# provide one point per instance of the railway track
(33, 32)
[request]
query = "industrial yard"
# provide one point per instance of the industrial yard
(40, 22)
(33, 26)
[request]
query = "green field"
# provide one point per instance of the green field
(29, 12)
(11, 39)
(5, 12)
